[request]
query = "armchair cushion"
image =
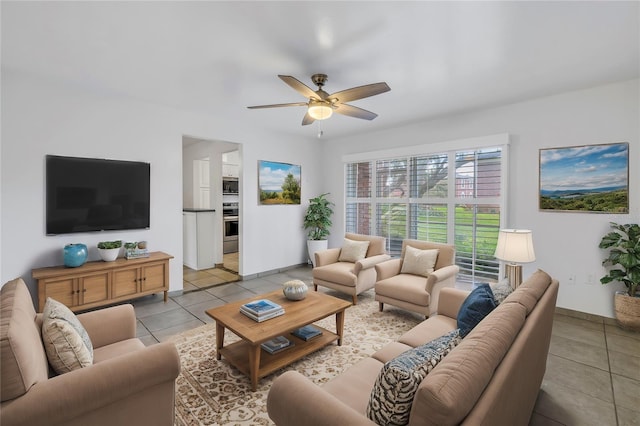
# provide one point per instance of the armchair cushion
(352, 251)
(392, 396)
(476, 306)
(419, 262)
(66, 342)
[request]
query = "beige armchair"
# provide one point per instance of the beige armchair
(127, 384)
(409, 283)
(337, 268)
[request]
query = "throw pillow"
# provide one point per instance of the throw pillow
(475, 307)
(501, 290)
(419, 262)
(352, 250)
(66, 342)
(392, 395)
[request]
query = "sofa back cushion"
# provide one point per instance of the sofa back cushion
(24, 362)
(450, 391)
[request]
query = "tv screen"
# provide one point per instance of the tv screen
(91, 194)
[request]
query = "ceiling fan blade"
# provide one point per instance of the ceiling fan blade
(278, 105)
(307, 119)
(299, 86)
(356, 112)
(360, 92)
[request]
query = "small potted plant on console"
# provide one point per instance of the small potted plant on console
(109, 250)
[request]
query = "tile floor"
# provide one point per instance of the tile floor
(593, 367)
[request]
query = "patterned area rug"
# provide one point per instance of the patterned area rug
(211, 392)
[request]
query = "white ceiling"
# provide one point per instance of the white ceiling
(219, 57)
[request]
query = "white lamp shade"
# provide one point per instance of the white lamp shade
(319, 110)
(515, 245)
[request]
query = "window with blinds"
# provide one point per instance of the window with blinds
(424, 198)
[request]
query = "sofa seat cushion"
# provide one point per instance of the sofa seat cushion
(66, 342)
(406, 287)
(427, 330)
(390, 351)
(23, 361)
(451, 390)
(339, 272)
(392, 396)
(116, 349)
(353, 386)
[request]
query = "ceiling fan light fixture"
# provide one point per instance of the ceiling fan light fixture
(319, 110)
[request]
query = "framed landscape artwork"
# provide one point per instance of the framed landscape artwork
(278, 183)
(589, 178)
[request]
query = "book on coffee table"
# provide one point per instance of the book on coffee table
(260, 307)
(263, 317)
(276, 344)
(307, 332)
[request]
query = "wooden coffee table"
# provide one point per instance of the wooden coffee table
(246, 354)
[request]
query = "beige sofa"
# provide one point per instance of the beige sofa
(492, 377)
(128, 384)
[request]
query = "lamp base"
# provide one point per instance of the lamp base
(514, 274)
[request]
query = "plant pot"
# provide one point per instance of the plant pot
(627, 311)
(109, 255)
(314, 246)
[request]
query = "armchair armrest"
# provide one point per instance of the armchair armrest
(79, 392)
(328, 256)
(450, 301)
(293, 399)
(109, 325)
(369, 262)
(388, 269)
(440, 275)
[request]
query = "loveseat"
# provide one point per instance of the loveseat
(492, 377)
(127, 384)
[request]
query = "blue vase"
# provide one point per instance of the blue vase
(75, 255)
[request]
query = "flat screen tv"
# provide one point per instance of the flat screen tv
(91, 194)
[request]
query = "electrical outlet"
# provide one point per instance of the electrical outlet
(590, 279)
(572, 279)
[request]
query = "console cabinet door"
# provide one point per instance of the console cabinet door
(154, 277)
(93, 288)
(126, 281)
(62, 290)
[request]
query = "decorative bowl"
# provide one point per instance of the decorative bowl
(295, 290)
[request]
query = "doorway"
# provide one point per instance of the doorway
(207, 166)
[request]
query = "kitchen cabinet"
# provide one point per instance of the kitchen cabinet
(198, 230)
(102, 283)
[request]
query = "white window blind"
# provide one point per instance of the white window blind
(422, 197)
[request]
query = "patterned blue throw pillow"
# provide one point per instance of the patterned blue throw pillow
(392, 396)
(476, 306)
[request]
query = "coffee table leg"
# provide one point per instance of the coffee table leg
(339, 326)
(254, 365)
(219, 339)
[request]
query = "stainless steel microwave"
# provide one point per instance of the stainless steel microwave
(230, 185)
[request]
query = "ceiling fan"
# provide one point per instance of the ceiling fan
(321, 105)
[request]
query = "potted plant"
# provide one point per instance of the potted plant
(317, 220)
(109, 250)
(624, 259)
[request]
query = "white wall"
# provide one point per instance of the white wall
(40, 118)
(565, 243)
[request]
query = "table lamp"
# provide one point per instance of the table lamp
(515, 246)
